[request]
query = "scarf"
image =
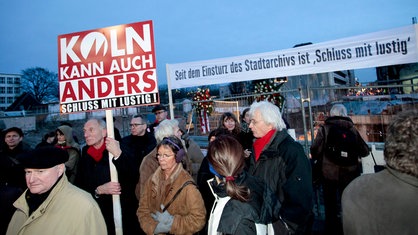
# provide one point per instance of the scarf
(96, 154)
(260, 143)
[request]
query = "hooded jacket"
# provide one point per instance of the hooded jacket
(73, 150)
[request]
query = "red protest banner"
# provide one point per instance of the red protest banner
(107, 68)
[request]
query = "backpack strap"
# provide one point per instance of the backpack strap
(177, 193)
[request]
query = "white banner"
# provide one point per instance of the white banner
(396, 46)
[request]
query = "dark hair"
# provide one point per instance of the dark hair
(401, 143)
(217, 132)
(226, 155)
(15, 129)
(245, 111)
(227, 116)
(158, 108)
(176, 146)
(49, 134)
(143, 118)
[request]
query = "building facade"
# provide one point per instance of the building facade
(10, 89)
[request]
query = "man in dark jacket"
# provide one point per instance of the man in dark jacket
(140, 142)
(12, 176)
(94, 176)
(336, 169)
(282, 164)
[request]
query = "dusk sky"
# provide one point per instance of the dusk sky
(190, 30)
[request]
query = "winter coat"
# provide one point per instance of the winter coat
(148, 166)
(92, 174)
(73, 150)
(188, 208)
(12, 181)
(139, 146)
(285, 168)
(194, 154)
(238, 217)
(384, 203)
(67, 210)
(328, 169)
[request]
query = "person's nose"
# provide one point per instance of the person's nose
(31, 178)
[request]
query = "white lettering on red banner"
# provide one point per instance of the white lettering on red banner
(106, 68)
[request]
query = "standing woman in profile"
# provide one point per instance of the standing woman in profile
(170, 202)
(243, 204)
(66, 141)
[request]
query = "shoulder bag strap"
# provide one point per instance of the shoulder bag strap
(177, 193)
(374, 160)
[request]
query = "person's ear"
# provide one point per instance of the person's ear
(61, 169)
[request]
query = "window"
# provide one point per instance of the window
(2, 90)
(10, 90)
(17, 90)
(2, 100)
(9, 80)
(10, 100)
(2, 79)
(17, 80)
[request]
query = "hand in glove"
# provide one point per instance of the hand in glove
(165, 220)
(162, 228)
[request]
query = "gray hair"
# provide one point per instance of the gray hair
(102, 123)
(270, 114)
(338, 110)
(401, 145)
(165, 129)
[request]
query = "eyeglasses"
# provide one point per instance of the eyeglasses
(136, 124)
(159, 112)
(254, 122)
(164, 155)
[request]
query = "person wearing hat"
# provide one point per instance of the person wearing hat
(160, 113)
(52, 205)
(12, 180)
(171, 202)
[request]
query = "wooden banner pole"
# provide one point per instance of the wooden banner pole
(117, 211)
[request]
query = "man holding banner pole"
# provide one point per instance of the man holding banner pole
(95, 176)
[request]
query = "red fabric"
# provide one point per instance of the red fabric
(261, 142)
(229, 178)
(96, 154)
(62, 146)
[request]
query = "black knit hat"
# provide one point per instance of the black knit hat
(158, 108)
(43, 157)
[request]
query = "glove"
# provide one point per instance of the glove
(165, 220)
(162, 228)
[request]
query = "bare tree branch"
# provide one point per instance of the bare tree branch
(41, 83)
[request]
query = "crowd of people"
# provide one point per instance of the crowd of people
(255, 178)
